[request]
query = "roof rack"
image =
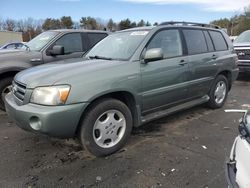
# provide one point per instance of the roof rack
(190, 24)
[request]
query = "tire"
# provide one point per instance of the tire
(5, 84)
(218, 93)
(106, 127)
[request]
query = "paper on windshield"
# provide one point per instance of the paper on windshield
(141, 33)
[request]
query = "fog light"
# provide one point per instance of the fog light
(35, 123)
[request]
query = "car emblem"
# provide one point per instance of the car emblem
(241, 54)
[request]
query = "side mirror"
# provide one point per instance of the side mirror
(57, 50)
(153, 54)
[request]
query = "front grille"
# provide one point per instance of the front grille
(18, 90)
(243, 54)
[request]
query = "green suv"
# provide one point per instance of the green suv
(128, 79)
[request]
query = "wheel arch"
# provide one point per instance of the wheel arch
(10, 71)
(228, 75)
(124, 96)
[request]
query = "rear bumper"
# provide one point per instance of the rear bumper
(57, 121)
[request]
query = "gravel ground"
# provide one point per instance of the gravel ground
(187, 149)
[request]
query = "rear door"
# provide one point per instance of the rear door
(201, 60)
(163, 80)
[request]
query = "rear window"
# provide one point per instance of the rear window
(95, 38)
(195, 40)
(218, 40)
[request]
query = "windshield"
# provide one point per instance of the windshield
(119, 46)
(40, 41)
(243, 37)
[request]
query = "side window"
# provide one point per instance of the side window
(71, 42)
(195, 40)
(219, 41)
(209, 42)
(169, 41)
(95, 38)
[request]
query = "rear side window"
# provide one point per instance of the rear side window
(195, 40)
(209, 42)
(218, 40)
(95, 38)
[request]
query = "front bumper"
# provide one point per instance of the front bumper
(244, 66)
(57, 121)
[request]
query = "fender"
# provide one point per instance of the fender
(14, 66)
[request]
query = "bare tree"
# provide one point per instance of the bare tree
(9, 25)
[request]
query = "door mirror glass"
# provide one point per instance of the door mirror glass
(153, 54)
(57, 50)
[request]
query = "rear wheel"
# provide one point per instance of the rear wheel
(5, 88)
(218, 92)
(106, 127)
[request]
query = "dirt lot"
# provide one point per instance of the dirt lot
(187, 149)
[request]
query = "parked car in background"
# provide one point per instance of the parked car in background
(47, 47)
(132, 77)
(237, 167)
(242, 48)
(12, 45)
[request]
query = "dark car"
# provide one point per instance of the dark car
(242, 48)
(49, 46)
(12, 45)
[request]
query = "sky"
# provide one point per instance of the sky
(148, 10)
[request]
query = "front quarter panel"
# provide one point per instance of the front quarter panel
(19, 61)
(13, 66)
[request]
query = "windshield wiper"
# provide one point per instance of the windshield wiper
(100, 57)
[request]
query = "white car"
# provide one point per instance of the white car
(238, 165)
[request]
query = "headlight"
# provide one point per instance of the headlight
(54, 95)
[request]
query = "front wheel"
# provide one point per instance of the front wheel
(5, 88)
(106, 127)
(218, 92)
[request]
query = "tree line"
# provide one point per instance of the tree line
(236, 24)
(31, 27)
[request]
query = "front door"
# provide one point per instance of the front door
(163, 81)
(73, 48)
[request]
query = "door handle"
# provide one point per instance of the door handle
(214, 57)
(182, 62)
(35, 60)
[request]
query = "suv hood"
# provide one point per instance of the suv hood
(53, 74)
